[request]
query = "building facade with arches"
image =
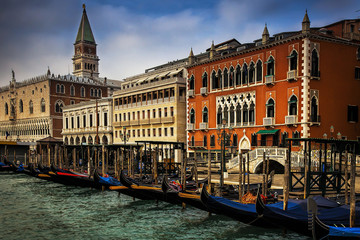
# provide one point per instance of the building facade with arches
(88, 123)
(272, 89)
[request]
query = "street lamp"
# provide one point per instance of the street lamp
(223, 140)
(124, 137)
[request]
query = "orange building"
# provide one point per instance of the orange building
(294, 84)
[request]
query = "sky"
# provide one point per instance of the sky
(134, 35)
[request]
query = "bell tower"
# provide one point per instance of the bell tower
(85, 60)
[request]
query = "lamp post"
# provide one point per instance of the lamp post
(124, 137)
(223, 140)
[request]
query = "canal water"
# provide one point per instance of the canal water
(32, 208)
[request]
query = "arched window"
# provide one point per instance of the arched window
(83, 139)
(192, 116)
(293, 105)
(95, 93)
(238, 115)
(42, 105)
(58, 90)
(212, 141)
(270, 67)
(100, 93)
(104, 140)
(66, 141)
(270, 108)
(205, 115)
(238, 76)
(204, 80)
(72, 90)
(296, 134)
(205, 141)
(31, 107)
(219, 73)
(252, 113)
(219, 115)
(314, 110)
(235, 139)
(259, 71)
(214, 80)
(58, 106)
(62, 88)
(192, 83)
(315, 64)
(77, 141)
(284, 136)
(91, 92)
(90, 140)
(192, 143)
(225, 115)
(21, 106)
(71, 141)
(226, 78)
(6, 109)
(232, 115)
(252, 73)
(254, 139)
(231, 77)
(82, 91)
(245, 114)
(293, 60)
(245, 74)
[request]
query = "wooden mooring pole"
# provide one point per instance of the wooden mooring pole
(286, 179)
(248, 171)
(241, 187)
(209, 171)
(346, 177)
(263, 173)
(352, 189)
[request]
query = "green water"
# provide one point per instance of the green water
(32, 208)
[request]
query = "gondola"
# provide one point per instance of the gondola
(106, 181)
(4, 167)
(174, 191)
(321, 230)
(245, 213)
(295, 217)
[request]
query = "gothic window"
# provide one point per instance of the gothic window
(225, 116)
(245, 74)
(77, 141)
(91, 92)
(238, 76)
(226, 78)
(254, 139)
(82, 91)
(245, 114)
(219, 73)
(259, 71)
(6, 109)
(315, 64)
(214, 80)
(62, 88)
(212, 141)
(21, 106)
(42, 105)
(204, 80)
(284, 136)
(90, 140)
(58, 106)
(219, 115)
(252, 73)
(105, 140)
(83, 139)
(205, 115)
(232, 115)
(205, 141)
(252, 113)
(293, 105)
(238, 115)
(192, 116)
(314, 110)
(71, 141)
(270, 67)
(231, 77)
(296, 134)
(96, 93)
(270, 113)
(66, 141)
(192, 143)
(293, 60)
(192, 83)
(100, 93)
(72, 90)
(58, 90)
(235, 139)
(31, 107)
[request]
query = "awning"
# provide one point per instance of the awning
(268, 132)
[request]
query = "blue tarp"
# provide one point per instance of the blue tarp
(109, 181)
(344, 232)
(244, 207)
(2, 164)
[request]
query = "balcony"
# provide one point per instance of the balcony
(292, 75)
(145, 121)
(269, 121)
(167, 120)
(134, 122)
(269, 79)
(155, 120)
(192, 93)
(291, 119)
(204, 91)
(191, 127)
(203, 126)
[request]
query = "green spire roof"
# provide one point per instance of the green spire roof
(84, 32)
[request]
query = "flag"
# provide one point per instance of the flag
(7, 134)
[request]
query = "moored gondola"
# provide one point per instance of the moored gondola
(4, 167)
